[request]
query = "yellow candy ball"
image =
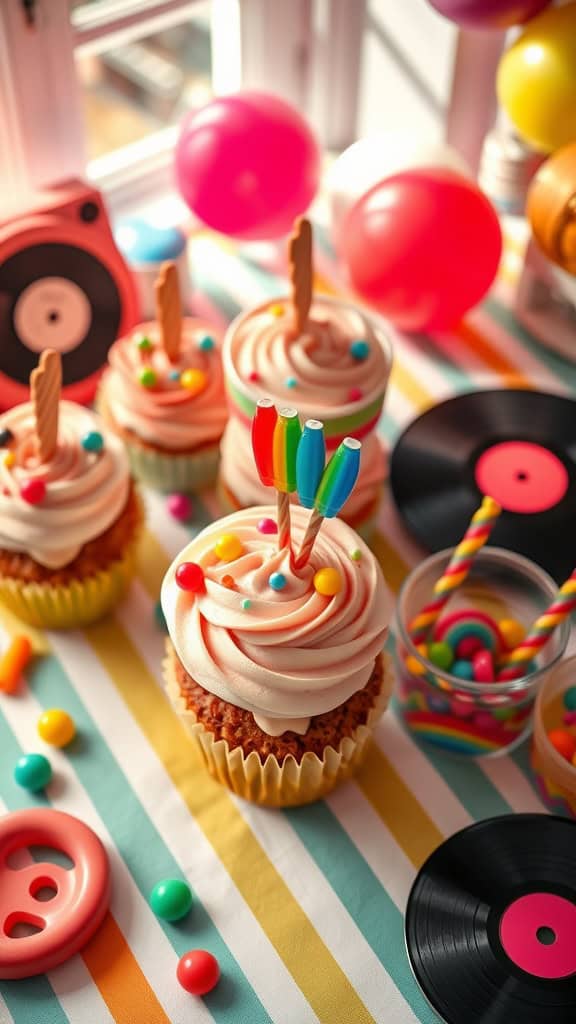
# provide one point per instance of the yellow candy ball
(413, 665)
(228, 547)
(56, 727)
(512, 631)
(536, 82)
(327, 582)
(276, 309)
(9, 459)
(194, 381)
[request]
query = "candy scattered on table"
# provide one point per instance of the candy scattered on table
(33, 491)
(267, 525)
(93, 441)
(194, 381)
(147, 377)
(441, 655)
(563, 742)
(277, 580)
(180, 507)
(198, 972)
(13, 662)
(359, 349)
(190, 576)
(228, 547)
(328, 582)
(56, 727)
(171, 899)
(33, 772)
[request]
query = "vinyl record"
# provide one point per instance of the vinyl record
(491, 923)
(517, 446)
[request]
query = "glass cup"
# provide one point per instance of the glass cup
(466, 717)
(555, 775)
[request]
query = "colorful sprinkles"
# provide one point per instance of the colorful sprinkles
(147, 377)
(277, 580)
(359, 349)
(228, 547)
(93, 441)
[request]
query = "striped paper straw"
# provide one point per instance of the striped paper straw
(563, 605)
(457, 570)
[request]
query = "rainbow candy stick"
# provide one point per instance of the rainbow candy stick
(263, 426)
(335, 488)
(310, 459)
(539, 634)
(287, 433)
(459, 566)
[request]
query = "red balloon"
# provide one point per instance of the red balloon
(247, 165)
(422, 247)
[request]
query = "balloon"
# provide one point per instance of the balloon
(489, 13)
(536, 81)
(422, 247)
(247, 165)
(376, 157)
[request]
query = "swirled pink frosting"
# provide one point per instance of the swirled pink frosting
(239, 472)
(85, 491)
(294, 653)
(167, 415)
(319, 360)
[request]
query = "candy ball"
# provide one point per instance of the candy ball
(33, 772)
(276, 309)
(483, 666)
(569, 698)
(359, 349)
(180, 506)
(56, 727)
(467, 647)
(171, 899)
(462, 669)
(355, 394)
(143, 343)
(246, 604)
(147, 377)
(536, 81)
(206, 343)
(291, 382)
(441, 655)
(327, 582)
(9, 459)
(194, 381)
(198, 972)
(190, 576)
(563, 742)
(488, 14)
(228, 547)
(513, 632)
(569, 718)
(277, 581)
(93, 441)
(227, 165)
(356, 555)
(33, 491)
(422, 247)
(268, 526)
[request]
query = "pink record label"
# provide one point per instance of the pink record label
(538, 933)
(522, 476)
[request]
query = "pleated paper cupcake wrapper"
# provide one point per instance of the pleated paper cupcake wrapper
(75, 604)
(288, 784)
(172, 474)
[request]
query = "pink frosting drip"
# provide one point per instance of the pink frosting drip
(293, 653)
(168, 415)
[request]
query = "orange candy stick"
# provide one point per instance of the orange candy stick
(13, 662)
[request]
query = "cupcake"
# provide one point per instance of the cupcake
(69, 513)
(277, 673)
(163, 395)
(334, 366)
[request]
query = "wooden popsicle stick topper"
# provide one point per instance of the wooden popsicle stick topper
(300, 261)
(169, 310)
(45, 388)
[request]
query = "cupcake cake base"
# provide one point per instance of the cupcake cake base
(278, 771)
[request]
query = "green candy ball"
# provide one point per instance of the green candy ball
(441, 655)
(171, 899)
(569, 698)
(33, 772)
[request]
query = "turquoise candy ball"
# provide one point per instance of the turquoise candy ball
(93, 441)
(569, 698)
(206, 343)
(277, 581)
(462, 669)
(33, 771)
(359, 349)
(441, 655)
(171, 899)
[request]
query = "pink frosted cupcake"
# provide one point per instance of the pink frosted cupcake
(163, 394)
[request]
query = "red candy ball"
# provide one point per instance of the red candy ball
(190, 576)
(33, 491)
(468, 646)
(564, 742)
(483, 665)
(198, 972)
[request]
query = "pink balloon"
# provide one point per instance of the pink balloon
(422, 246)
(489, 14)
(247, 165)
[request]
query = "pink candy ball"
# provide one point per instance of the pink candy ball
(422, 247)
(483, 665)
(247, 165)
(489, 13)
(180, 506)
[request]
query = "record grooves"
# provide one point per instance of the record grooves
(491, 923)
(519, 446)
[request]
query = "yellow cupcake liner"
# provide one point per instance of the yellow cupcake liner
(291, 783)
(74, 604)
(173, 473)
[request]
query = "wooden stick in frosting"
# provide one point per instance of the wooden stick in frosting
(300, 261)
(45, 388)
(169, 310)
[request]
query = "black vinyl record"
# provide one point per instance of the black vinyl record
(517, 446)
(491, 923)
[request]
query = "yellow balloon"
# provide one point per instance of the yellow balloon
(536, 81)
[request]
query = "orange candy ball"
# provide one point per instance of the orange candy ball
(563, 742)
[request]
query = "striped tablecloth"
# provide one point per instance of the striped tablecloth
(303, 908)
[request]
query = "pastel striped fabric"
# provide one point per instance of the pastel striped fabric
(303, 908)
